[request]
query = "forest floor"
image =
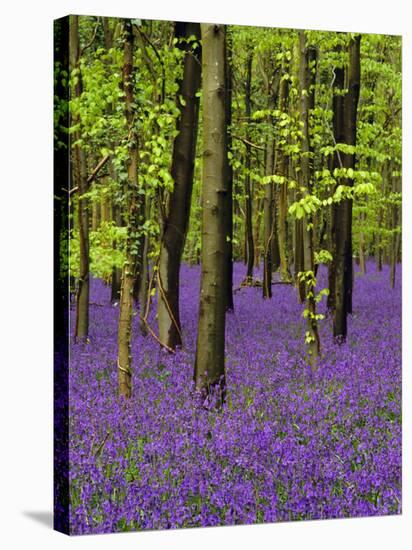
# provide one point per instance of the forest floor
(286, 446)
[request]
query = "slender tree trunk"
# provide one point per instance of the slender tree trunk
(116, 271)
(144, 284)
(344, 268)
(268, 208)
(106, 209)
(298, 258)
(82, 303)
(396, 236)
(305, 81)
(275, 239)
(381, 220)
(338, 136)
(209, 372)
(229, 177)
(177, 217)
(282, 171)
(256, 233)
(134, 220)
(250, 252)
(378, 246)
(95, 216)
(362, 258)
(116, 211)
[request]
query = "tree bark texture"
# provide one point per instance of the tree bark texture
(344, 271)
(250, 251)
(305, 80)
(80, 173)
(134, 221)
(229, 217)
(282, 171)
(209, 372)
(177, 217)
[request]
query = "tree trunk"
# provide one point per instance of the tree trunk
(95, 216)
(298, 259)
(396, 236)
(268, 210)
(256, 233)
(305, 81)
(229, 178)
(209, 372)
(116, 272)
(133, 219)
(338, 137)
(275, 239)
(378, 245)
(82, 303)
(250, 252)
(344, 277)
(362, 259)
(144, 283)
(177, 217)
(282, 171)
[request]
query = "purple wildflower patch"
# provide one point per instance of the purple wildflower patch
(288, 445)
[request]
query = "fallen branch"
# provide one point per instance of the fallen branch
(248, 283)
(102, 444)
(256, 283)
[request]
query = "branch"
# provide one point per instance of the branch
(144, 35)
(98, 167)
(92, 39)
(247, 142)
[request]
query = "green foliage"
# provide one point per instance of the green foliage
(103, 256)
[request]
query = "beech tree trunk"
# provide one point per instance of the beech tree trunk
(344, 268)
(177, 217)
(362, 258)
(209, 371)
(338, 136)
(134, 220)
(249, 243)
(116, 272)
(305, 81)
(282, 171)
(268, 209)
(298, 258)
(396, 236)
(144, 283)
(80, 171)
(229, 177)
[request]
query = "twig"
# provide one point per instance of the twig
(247, 142)
(144, 35)
(147, 309)
(162, 292)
